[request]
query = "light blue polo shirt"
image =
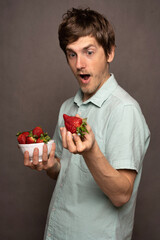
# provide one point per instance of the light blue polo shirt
(79, 210)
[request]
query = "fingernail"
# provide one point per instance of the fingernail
(62, 129)
(36, 150)
(68, 133)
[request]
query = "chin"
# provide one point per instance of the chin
(87, 94)
(89, 91)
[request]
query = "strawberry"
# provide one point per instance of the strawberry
(21, 138)
(25, 133)
(44, 138)
(37, 131)
(34, 136)
(39, 140)
(30, 139)
(75, 125)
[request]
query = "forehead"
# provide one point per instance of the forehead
(82, 43)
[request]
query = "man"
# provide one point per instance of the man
(97, 178)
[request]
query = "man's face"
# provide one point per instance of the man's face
(88, 62)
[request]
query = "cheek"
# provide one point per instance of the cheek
(71, 65)
(73, 70)
(98, 66)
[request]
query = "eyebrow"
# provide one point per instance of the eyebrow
(85, 48)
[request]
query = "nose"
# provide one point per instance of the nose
(80, 63)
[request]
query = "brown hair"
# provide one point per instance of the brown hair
(78, 23)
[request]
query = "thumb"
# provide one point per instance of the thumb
(77, 115)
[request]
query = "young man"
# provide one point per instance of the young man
(97, 178)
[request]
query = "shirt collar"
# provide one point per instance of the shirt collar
(101, 95)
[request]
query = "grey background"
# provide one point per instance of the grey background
(35, 80)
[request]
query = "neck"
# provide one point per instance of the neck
(87, 96)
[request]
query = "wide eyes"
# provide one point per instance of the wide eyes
(90, 52)
(87, 52)
(71, 54)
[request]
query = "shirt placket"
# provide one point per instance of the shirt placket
(82, 110)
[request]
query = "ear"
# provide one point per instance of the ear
(111, 55)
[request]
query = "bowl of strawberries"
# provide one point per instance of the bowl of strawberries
(35, 138)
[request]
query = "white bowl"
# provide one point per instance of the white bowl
(30, 148)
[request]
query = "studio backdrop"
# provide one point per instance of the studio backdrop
(35, 80)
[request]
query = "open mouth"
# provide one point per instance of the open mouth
(85, 76)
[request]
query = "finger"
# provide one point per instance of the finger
(70, 143)
(35, 157)
(27, 162)
(45, 154)
(80, 146)
(51, 159)
(88, 128)
(52, 152)
(39, 167)
(64, 134)
(77, 115)
(88, 134)
(51, 155)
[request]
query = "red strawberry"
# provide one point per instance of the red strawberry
(21, 138)
(39, 140)
(37, 131)
(34, 136)
(44, 138)
(25, 133)
(30, 139)
(75, 124)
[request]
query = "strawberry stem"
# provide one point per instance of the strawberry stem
(82, 129)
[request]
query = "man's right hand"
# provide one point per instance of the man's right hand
(49, 163)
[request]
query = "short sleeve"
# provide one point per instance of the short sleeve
(127, 138)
